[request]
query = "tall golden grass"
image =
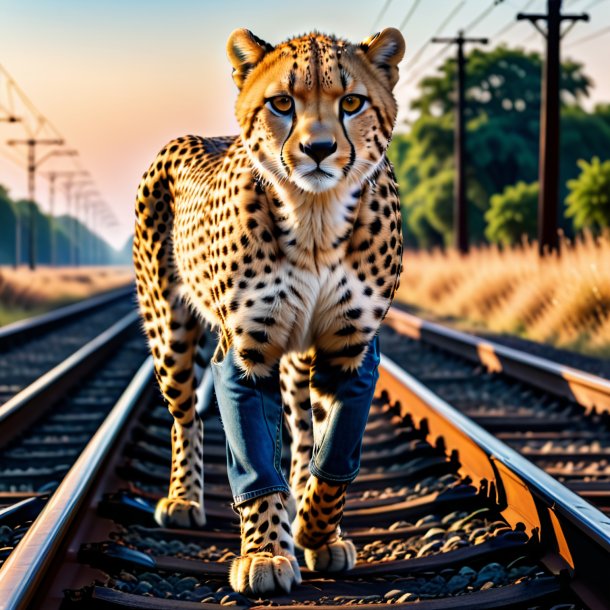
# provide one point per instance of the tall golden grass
(24, 292)
(562, 300)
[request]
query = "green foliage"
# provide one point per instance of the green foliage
(589, 199)
(498, 81)
(502, 127)
(7, 227)
(512, 214)
(90, 248)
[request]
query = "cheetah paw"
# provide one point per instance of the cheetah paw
(174, 512)
(261, 573)
(337, 555)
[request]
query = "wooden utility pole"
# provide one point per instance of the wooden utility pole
(32, 165)
(52, 177)
(460, 210)
(11, 118)
(548, 163)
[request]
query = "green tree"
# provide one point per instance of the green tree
(502, 119)
(589, 199)
(42, 237)
(7, 228)
(512, 214)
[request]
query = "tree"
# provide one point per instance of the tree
(589, 198)
(502, 123)
(512, 214)
(91, 247)
(7, 228)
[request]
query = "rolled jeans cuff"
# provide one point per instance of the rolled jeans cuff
(251, 495)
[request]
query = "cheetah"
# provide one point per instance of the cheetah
(285, 239)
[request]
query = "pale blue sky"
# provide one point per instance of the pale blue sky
(121, 77)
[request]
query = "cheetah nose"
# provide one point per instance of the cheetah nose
(318, 151)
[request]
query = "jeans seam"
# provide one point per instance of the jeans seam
(277, 442)
(321, 474)
(250, 495)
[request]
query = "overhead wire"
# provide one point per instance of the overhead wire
(592, 36)
(513, 22)
(34, 122)
(482, 16)
(413, 60)
(592, 4)
(409, 14)
(382, 12)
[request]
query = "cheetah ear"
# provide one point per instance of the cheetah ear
(385, 50)
(245, 50)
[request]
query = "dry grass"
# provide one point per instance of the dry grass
(564, 301)
(25, 293)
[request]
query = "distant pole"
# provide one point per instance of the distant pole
(460, 210)
(548, 163)
(31, 144)
(15, 119)
(52, 178)
(74, 221)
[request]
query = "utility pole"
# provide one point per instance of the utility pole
(52, 177)
(73, 214)
(11, 118)
(460, 209)
(548, 163)
(81, 204)
(32, 165)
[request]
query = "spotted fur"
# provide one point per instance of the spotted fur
(286, 239)
(267, 562)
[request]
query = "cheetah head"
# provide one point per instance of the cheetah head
(316, 111)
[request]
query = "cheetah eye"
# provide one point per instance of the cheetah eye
(281, 104)
(351, 104)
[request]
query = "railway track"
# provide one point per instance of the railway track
(443, 515)
(91, 352)
(29, 348)
(556, 416)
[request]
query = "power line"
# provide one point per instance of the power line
(18, 107)
(482, 16)
(591, 36)
(415, 75)
(381, 14)
(592, 4)
(41, 122)
(440, 28)
(409, 15)
(512, 23)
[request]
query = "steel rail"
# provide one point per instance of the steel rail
(589, 391)
(25, 329)
(574, 536)
(575, 532)
(18, 412)
(29, 562)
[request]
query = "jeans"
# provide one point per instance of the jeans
(252, 416)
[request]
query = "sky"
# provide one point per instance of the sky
(118, 79)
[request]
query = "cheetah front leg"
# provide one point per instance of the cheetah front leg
(267, 562)
(173, 332)
(175, 368)
(294, 385)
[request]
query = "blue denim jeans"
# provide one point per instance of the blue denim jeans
(252, 415)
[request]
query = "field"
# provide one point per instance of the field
(563, 301)
(25, 293)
